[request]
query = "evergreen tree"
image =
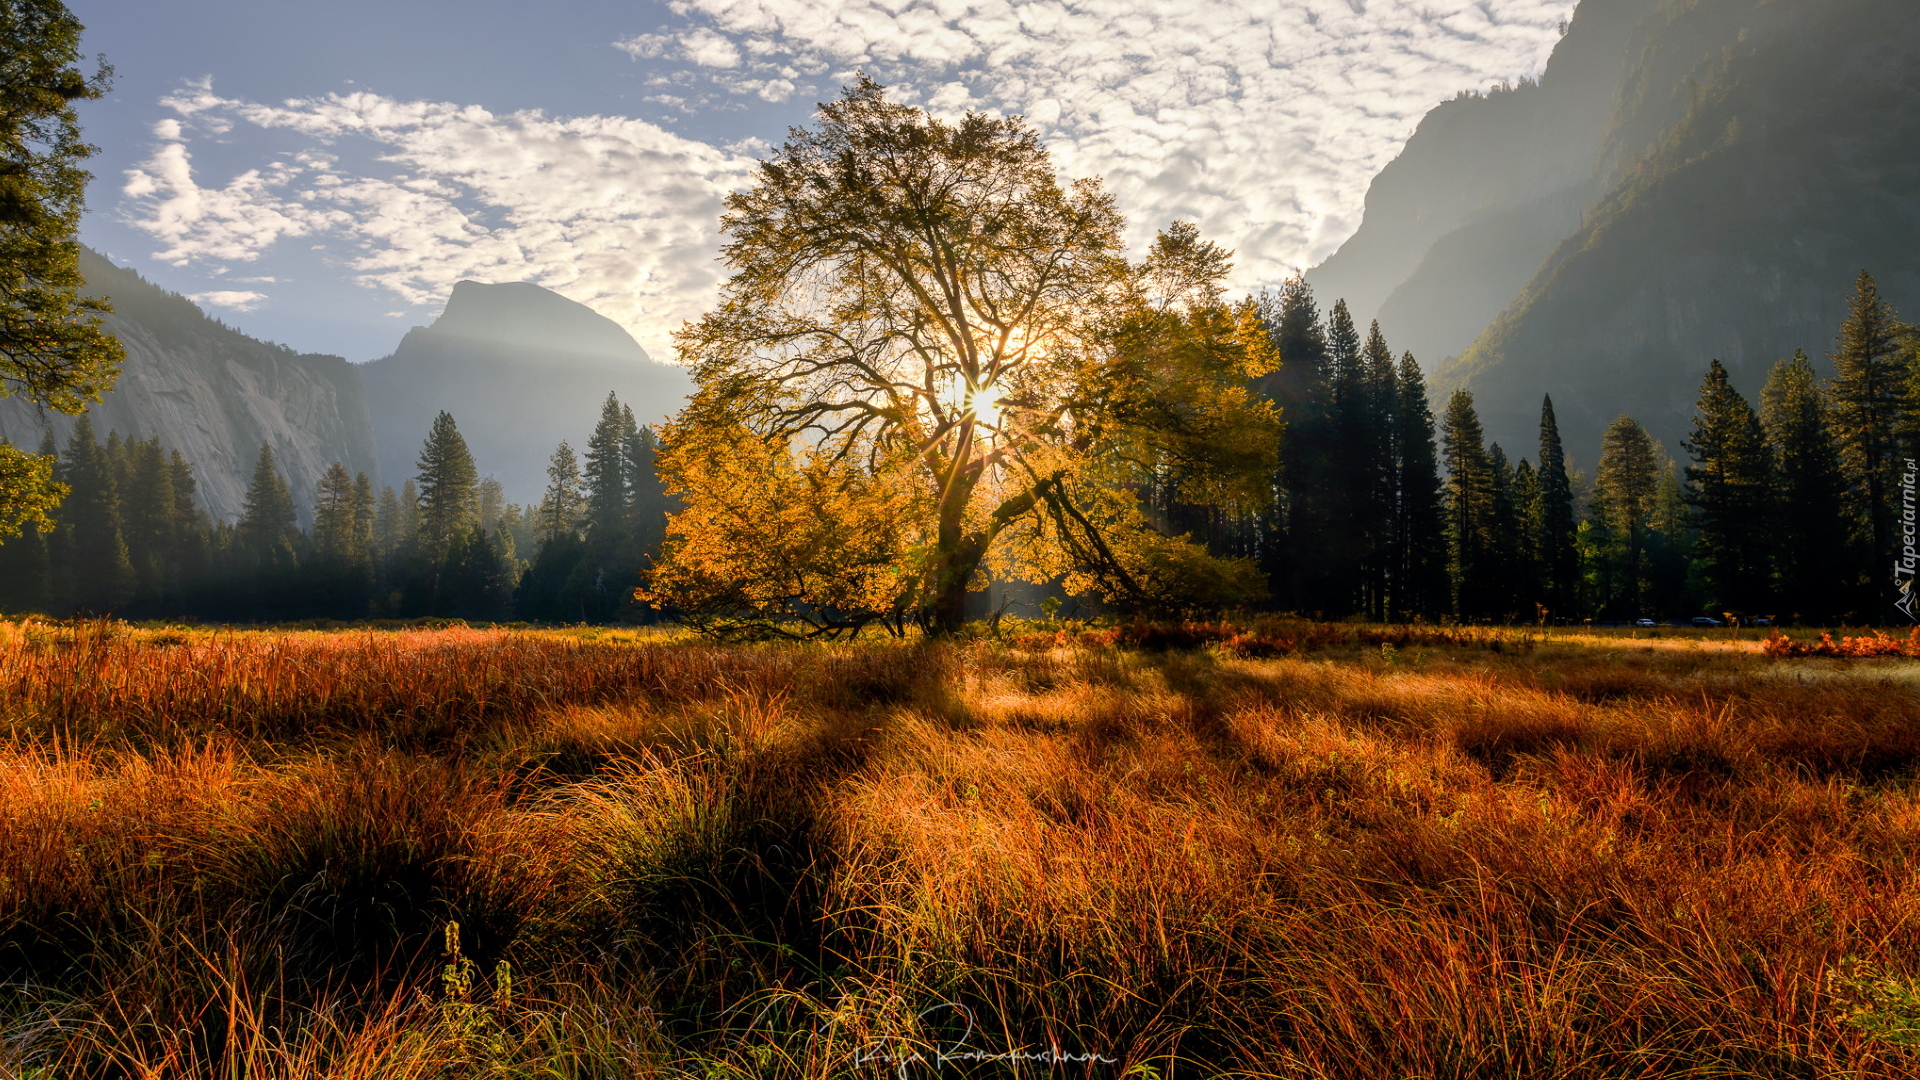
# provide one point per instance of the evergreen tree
(387, 527)
(1731, 490)
(341, 575)
(449, 498)
(363, 517)
(1676, 585)
(646, 500)
(190, 524)
(1298, 558)
(1868, 384)
(147, 520)
(560, 507)
(606, 478)
(1469, 509)
(491, 497)
(335, 528)
(1624, 491)
(1559, 557)
(1352, 434)
(1378, 450)
(52, 348)
(24, 573)
(1810, 516)
(269, 521)
(1530, 596)
(474, 583)
(1419, 543)
(98, 574)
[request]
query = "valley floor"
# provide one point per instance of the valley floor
(1420, 853)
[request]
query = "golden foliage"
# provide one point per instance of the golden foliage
(921, 314)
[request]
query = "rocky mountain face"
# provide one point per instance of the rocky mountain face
(214, 394)
(520, 368)
(1690, 179)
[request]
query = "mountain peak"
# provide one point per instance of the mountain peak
(529, 316)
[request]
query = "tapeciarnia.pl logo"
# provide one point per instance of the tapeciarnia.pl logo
(1903, 567)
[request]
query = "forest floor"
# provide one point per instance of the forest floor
(1302, 851)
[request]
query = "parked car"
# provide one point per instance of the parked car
(1707, 620)
(1643, 622)
(1760, 620)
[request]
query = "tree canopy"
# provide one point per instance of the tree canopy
(51, 346)
(938, 350)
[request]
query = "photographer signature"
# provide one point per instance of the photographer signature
(959, 1052)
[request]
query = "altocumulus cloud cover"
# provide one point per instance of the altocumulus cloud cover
(1264, 122)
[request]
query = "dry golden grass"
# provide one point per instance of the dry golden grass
(1409, 854)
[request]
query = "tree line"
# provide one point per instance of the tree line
(1382, 509)
(130, 538)
(1789, 511)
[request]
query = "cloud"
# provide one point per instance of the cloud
(1263, 122)
(226, 298)
(413, 196)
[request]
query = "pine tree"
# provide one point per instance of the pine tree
(449, 497)
(475, 583)
(1469, 508)
(52, 348)
(1352, 433)
(1868, 385)
(269, 521)
(363, 517)
(1420, 531)
(190, 523)
(148, 508)
(1529, 588)
(24, 573)
(1559, 557)
(646, 500)
(1379, 449)
(340, 577)
(1810, 516)
(1297, 558)
(1675, 583)
(606, 478)
(560, 507)
(99, 576)
(1624, 491)
(491, 497)
(1503, 534)
(1731, 490)
(388, 527)
(335, 529)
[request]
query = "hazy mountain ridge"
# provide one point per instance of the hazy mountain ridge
(1794, 163)
(520, 368)
(1482, 191)
(214, 394)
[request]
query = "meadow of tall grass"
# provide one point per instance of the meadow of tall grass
(1290, 850)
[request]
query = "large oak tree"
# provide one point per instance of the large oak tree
(932, 363)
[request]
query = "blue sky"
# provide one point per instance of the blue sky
(321, 175)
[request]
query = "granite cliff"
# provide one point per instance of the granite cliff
(214, 394)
